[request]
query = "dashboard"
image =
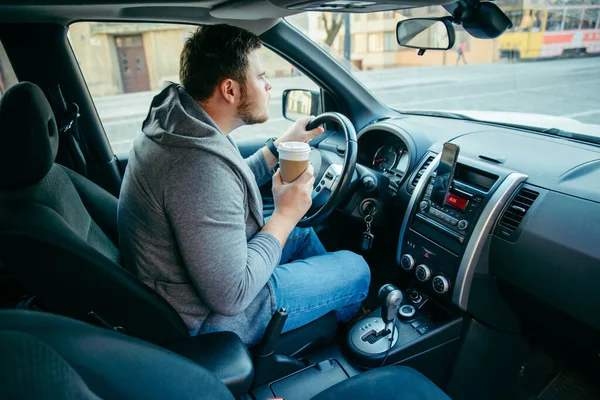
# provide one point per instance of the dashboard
(531, 222)
(383, 151)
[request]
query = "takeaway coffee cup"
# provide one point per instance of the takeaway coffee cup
(293, 160)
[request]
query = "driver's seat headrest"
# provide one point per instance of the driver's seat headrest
(28, 134)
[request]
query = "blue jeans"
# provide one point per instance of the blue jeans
(310, 282)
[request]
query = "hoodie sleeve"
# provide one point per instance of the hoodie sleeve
(205, 203)
(257, 164)
(259, 167)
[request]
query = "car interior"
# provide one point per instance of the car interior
(482, 237)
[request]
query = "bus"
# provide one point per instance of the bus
(552, 29)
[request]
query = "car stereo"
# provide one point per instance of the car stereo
(458, 209)
(443, 215)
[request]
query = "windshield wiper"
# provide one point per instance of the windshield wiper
(570, 135)
(548, 131)
(443, 114)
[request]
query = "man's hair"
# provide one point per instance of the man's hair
(214, 53)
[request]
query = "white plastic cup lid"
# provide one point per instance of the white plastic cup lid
(294, 151)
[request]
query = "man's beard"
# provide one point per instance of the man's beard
(249, 111)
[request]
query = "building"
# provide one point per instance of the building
(120, 58)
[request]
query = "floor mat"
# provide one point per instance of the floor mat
(568, 385)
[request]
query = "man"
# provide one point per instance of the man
(190, 213)
(460, 50)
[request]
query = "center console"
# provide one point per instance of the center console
(453, 207)
(435, 237)
(446, 224)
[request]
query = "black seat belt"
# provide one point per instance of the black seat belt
(71, 145)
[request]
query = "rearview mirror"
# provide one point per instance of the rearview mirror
(425, 33)
(298, 103)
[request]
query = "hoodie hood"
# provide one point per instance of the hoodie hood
(175, 119)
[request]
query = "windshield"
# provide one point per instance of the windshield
(540, 73)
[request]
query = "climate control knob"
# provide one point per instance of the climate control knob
(423, 273)
(462, 224)
(407, 262)
(424, 205)
(440, 284)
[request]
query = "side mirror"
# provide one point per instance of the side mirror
(425, 33)
(298, 103)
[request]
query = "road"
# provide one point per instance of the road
(569, 87)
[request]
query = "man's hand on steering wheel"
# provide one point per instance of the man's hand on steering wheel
(298, 133)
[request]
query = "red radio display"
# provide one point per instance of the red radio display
(456, 201)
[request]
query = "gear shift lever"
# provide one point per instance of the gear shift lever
(373, 335)
(391, 298)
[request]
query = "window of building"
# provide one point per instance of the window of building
(554, 21)
(389, 41)
(374, 16)
(590, 18)
(126, 64)
(7, 74)
(375, 42)
(359, 43)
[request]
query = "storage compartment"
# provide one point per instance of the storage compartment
(304, 384)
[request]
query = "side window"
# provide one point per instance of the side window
(282, 75)
(126, 64)
(572, 19)
(7, 75)
(590, 19)
(554, 21)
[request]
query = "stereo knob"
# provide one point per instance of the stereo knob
(440, 284)
(423, 273)
(424, 205)
(407, 262)
(462, 224)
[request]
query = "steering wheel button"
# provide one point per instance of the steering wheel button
(318, 189)
(329, 175)
(323, 182)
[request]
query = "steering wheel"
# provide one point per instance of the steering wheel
(332, 180)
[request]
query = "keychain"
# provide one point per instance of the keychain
(367, 236)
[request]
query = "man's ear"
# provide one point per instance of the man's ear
(229, 90)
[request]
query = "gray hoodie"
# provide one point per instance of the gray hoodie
(190, 214)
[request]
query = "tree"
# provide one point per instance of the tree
(333, 23)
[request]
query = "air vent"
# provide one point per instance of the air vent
(417, 178)
(517, 209)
